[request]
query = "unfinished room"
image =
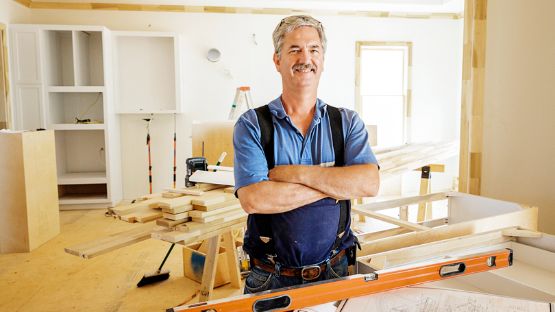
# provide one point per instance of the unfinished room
(273, 155)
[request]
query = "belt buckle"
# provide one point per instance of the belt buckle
(311, 272)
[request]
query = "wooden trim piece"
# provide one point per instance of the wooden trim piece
(226, 10)
(386, 204)
(231, 254)
(472, 102)
(6, 76)
(391, 220)
(427, 251)
(525, 219)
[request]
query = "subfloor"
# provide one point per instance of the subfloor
(49, 279)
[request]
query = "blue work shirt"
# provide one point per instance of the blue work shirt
(305, 235)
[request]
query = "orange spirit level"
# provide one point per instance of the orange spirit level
(287, 299)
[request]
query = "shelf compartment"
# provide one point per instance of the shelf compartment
(82, 178)
(59, 58)
(74, 194)
(145, 71)
(80, 151)
(88, 58)
(66, 107)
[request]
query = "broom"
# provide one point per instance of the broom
(158, 275)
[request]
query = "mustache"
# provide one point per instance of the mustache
(304, 67)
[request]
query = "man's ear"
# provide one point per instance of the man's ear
(276, 61)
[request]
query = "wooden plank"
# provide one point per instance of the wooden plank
(111, 242)
(170, 223)
(171, 195)
(391, 220)
(178, 209)
(526, 219)
(224, 217)
(178, 216)
(521, 233)
(198, 234)
(204, 214)
(209, 199)
(217, 177)
(427, 251)
(175, 202)
(136, 207)
(233, 264)
(405, 201)
(217, 206)
(193, 226)
(209, 273)
(142, 216)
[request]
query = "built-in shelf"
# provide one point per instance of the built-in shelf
(149, 112)
(82, 178)
(77, 126)
(83, 89)
(84, 199)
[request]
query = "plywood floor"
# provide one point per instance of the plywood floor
(48, 279)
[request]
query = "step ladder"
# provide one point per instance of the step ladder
(241, 103)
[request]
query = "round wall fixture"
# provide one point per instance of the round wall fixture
(213, 55)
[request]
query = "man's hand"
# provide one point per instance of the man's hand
(337, 182)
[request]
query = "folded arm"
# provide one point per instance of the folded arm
(347, 182)
(274, 197)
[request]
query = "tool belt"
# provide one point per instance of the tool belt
(308, 273)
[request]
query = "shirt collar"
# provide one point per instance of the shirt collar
(276, 107)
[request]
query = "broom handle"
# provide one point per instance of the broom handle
(166, 257)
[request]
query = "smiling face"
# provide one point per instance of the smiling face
(301, 61)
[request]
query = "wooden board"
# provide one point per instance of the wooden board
(217, 206)
(178, 216)
(178, 209)
(170, 223)
(209, 199)
(103, 245)
(29, 213)
(203, 214)
(175, 202)
(142, 216)
(224, 217)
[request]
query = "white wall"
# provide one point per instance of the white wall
(209, 88)
(519, 111)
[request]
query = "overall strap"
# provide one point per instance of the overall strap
(263, 222)
(339, 149)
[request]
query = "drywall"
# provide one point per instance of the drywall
(246, 46)
(519, 127)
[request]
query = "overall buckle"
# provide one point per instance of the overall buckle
(311, 272)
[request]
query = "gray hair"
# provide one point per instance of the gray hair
(291, 23)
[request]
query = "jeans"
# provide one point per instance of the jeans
(260, 280)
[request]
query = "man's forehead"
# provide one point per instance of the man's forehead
(303, 35)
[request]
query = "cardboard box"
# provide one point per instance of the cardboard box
(193, 264)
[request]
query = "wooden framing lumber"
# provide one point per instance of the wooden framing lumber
(178, 209)
(142, 216)
(217, 206)
(175, 202)
(111, 242)
(204, 214)
(526, 218)
(212, 198)
(198, 234)
(171, 195)
(148, 204)
(170, 223)
(391, 220)
(224, 217)
(178, 216)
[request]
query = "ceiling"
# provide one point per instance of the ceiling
(429, 6)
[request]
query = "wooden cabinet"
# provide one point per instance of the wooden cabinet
(62, 82)
(28, 191)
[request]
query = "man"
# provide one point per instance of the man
(287, 174)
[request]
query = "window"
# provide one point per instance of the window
(383, 88)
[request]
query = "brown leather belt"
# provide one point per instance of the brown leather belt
(308, 272)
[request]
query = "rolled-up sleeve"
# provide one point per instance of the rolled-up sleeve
(249, 162)
(357, 147)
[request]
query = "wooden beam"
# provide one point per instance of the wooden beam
(472, 103)
(233, 264)
(209, 273)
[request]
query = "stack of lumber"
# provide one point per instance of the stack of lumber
(186, 213)
(397, 160)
